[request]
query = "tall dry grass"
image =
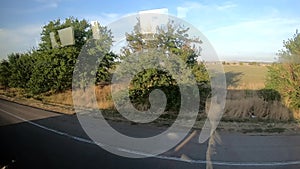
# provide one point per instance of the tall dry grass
(103, 97)
(64, 98)
(243, 104)
(240, 104)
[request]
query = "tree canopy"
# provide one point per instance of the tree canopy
(49, 68)
(172, 40)
(81, 28)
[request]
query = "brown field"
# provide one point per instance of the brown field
(245, 76)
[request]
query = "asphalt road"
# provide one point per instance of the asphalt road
(34, 138)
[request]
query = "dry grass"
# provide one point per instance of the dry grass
(12, 92)
(242, 100)
(240, 104)
(246, 104)
(245, 76)
(60, 98)
(103, 96)
(257, 108)
(248, 86)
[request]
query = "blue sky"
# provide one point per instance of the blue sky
(237, 29)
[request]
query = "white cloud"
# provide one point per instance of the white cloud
(46, 5)
(190, 6)
(181, 12)
(103, 18)
(48, 2)
(110, 15)
(155, 11)
(233, 33)
(257, 38)
(226, 6)
(39, 6)
(193, 5)
(185, 8)
(18, 39)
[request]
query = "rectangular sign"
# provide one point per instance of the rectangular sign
(66, 36)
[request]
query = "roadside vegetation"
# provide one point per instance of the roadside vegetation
(260, 92)
(46, 73)
(284, 76)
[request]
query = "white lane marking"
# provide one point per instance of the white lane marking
(222, 163)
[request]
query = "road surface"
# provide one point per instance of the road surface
(35, 138)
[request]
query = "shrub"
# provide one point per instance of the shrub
(269, 95)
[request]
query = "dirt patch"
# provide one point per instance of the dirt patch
(58, 108)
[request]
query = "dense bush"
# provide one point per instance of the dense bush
(269, 95)
(284, 76)
(4, 73)
(174, 41)
(21, 67)
(141, 97)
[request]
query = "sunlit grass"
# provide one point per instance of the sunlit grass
(245, 76)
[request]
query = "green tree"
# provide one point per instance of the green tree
(81, 29)
(21, 66)
(174, 41)
(100, 48)
(53, 70)
(4, 73)
(284, 76)
(96, 51)
(172, 38)
(53, 67)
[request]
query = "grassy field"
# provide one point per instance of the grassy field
(245, 76)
